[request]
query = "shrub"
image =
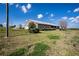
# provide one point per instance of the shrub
(39, 49)
(34, 30)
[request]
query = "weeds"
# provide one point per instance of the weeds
(19, 52)
(39, 49)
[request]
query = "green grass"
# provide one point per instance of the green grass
(54, 39)
(39, 49)
(2, 32)
(19, 52)
(52, 36)
(13, 32)
(17, 32)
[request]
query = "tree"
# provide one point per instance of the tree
(63, 25)
(1, 25)
(32, 27)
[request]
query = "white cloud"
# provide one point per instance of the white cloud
(17, 5)
(24, 9)
(76, 20)
(39, 16)
(65, 18)
(71, 18)
(76, 10)
(52, 15)
(28, 6)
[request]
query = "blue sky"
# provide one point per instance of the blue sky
(52, 13)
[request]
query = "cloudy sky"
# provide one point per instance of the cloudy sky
(45, 12)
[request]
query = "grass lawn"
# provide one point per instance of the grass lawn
(53, 42)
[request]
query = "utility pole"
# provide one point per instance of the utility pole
(7, 20)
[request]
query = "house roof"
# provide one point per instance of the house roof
(40, 22)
